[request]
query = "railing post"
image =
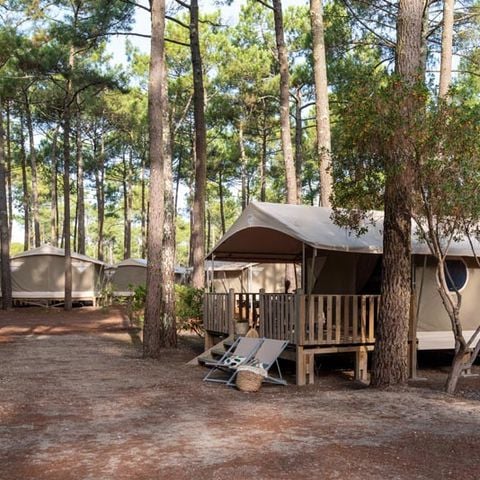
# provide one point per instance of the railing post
(261, 312)
(299, 318)
(231, 311)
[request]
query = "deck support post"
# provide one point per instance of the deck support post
(361, 364)
(301, 367)
(209, 340)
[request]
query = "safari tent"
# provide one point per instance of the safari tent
(132, 272)
(38, 276)
(337, 305)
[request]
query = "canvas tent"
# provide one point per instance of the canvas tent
(39, 275)
(132, 272)
(337, 261)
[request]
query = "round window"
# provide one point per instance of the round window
(456, 275)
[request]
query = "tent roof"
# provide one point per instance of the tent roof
(141, 262)
(277, 232)
(60, 252)
(228, 266)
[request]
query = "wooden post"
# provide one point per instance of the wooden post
(261, 312)
(209, 340)
(231, 311)
(361, 364)
(299, 318)
(301, 366)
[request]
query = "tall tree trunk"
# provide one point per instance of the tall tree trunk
(291, 182)
(154, 327)
(168, 248)
(6, 286)
(390, 362)
(198, 227)
(322, 112)
(243, 165)
(263, 161)
(33, 169)
(143, 212)
(66, 182)
(80, 189)
(54, 194)
(26, 195)
(9, 172)
(100, 192)
(221, 200)
(447, 48)
(298, 142)
(127, 205)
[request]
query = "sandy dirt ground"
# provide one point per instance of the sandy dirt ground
(78, 402)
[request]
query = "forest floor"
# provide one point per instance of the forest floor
(77, 401)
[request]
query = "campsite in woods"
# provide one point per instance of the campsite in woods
(239, 238)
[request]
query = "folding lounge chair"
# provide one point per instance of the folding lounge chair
(241, 351)
(266, 356)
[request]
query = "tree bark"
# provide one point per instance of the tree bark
(243, 166)
(54, 194)
(26, 195)
(6, 286)
(169, 333)
(33, 171)
(127, 205)
(154, 326)
(100, 191)
(291, 182)
(221, 201)
(198, 211)
(298, 142)
(143, 212)
(390, 361)
(263, 161)
(447, 48)
(67, 245)
(9, 172)
(322, 111)
(80, 189)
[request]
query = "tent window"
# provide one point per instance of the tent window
(458, 274)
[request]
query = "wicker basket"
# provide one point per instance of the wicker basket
(249, 381)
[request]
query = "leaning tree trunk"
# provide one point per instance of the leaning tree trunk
(390, 361)
(243, 166)
(80, 190)
(143, 210)
(322, 112)
(6, 286)
(198, 225)
(447, 44)
(263, 160)
(291, 182)
(154, 327)
(127, 207)
(33, 168)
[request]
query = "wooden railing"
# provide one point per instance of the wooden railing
(277, 316)
(218, 311)
(301, 319)
(336, 319)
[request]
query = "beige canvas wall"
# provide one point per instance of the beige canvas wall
(45, 274)
(126, 275)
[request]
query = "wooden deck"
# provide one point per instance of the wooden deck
(314, 324)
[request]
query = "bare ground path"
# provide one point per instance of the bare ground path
(78, 402)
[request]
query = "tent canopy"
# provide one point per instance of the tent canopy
(271, 232)
(60, 252)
